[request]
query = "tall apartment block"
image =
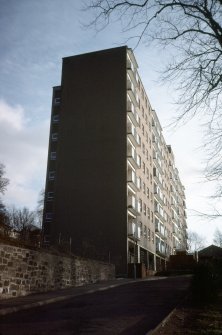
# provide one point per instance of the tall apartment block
(112, 189)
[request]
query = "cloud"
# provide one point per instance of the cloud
(11, 117)
(23, 148)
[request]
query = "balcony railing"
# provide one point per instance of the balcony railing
(133, 180)
(131, 109)
(132, 92)
(134, 230)
(132, 134)
(132, 204)
(133, 158)
(160, 249)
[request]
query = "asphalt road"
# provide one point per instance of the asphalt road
(132, 309)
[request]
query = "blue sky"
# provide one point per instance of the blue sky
(34, 37)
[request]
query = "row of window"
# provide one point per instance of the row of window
(143, 207)
(145, 152)
(53, 157)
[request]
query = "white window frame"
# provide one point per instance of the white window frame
(55, 118)
(53, 155)
(54, 137)
(51, 175)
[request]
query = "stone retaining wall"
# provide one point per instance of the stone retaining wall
(24, 271)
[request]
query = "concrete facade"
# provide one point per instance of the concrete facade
(112, 189)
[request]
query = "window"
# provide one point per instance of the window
(143, 146)
(147, 155)
(51, 175)
(53, 155)
(144, 168)
(139, 183)
(54, 137)
(55, 118)
(144, 209)
(144, 231)
(57, 101)
(140, 227)
(146, 118)
(140, 205)
(144, 188)
(49, 216)
(142, 129)
(148, 211)
(148, 192)
(142, 112)
(148, 234)
(142, 92)
(146, 102)
(153, 237)
(138, 160)
(50, 196)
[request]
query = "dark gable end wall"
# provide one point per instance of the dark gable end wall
(90, 204)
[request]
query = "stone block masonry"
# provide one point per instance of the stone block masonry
(24, 271)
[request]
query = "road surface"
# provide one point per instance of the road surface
(131, 309)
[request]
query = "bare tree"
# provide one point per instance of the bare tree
(21, 220)
(195, 241)
(3, 181)
(40, 207)
(4, 228)
(192, 28)
(192, 32)
(4, 224)
(218, 238)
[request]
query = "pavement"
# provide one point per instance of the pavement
(13, 305)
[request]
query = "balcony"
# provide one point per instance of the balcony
(176, 243)
(160, 250)
(131, 71)
(156, 145)
(158, 210)
(159, 197)
(131, 110)
(159, 215)
(175, 230)
(157, 162)
(132, 92)
(132, 180)
(132, 204)
(133, 158)
(157, 177)
(134, 230)
(132, 134)
(174, 205)
(159, 230)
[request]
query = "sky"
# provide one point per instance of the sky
(34, 37)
